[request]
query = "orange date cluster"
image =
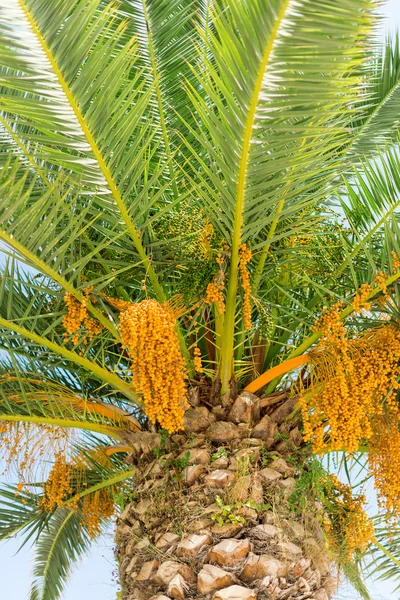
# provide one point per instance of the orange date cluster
(158, 370)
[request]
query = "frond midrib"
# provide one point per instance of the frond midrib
(50, 553)
(229, 323)
(55, 276)
(366, 125)
(104, 375)
(65, 423)
(96, 152)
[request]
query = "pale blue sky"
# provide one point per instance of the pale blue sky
(391, 10)
(92, 578)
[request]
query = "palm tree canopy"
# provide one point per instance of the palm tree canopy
(237, 162)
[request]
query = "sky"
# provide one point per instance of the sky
(93, 578)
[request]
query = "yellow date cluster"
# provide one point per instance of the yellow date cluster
(352, 399)
(351, 378)
(245, 258)
(384, 462)
(58, 485)
(158, 370)
(347, 525)
(215, 293)
(78, 318)
(97, 507)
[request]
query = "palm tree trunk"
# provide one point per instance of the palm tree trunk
(212, 512)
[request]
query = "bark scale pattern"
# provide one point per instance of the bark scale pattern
(211, 516)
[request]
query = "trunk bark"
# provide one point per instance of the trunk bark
(212, 513)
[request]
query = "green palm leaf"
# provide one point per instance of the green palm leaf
(139, 141)
(61, 536)
(380, 122)
(254, 109)
(20, 511)
(371, 204)
(66, 537)
(382, 560)
(64, 542)
(98, 81)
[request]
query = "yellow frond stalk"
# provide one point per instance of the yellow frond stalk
(110, 450)
(278, 371)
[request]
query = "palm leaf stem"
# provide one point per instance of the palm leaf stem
(110, 450)
(264, 252)
(277, 371)
(97, 153)
(55, 276)
(386, 551)
(98, 371)
(227, 347)
(159, 100)
(67, 423)
(109, 411)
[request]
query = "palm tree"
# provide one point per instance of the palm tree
(199, 209)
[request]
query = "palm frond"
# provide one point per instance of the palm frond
(27, 320)
(380, 122)
(382, 561)
(67, 537)
(370, 203)
(353, 574)
(61, 536)
(252, 108)
(100, 80)
(20, 512)
(27, 397)
(63, 542)
(167, 33)
(10, 330)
